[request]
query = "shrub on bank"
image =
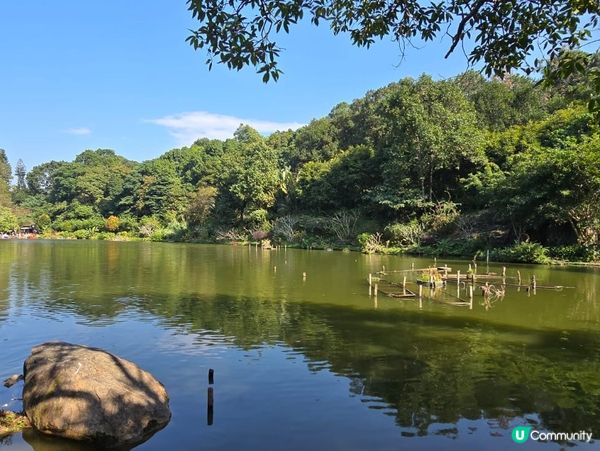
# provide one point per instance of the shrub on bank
(149, 226)
(306, 230)
(441, 219)
(450, 247)
(575, 253)
(128, 223)
(112, 223)
(258, 220)
(104, 236)
(231, 235)
(404, 234)
(371, 243)
(72, 225)
(286, 229)
(525, 252)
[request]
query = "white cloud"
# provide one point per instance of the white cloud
(188, 127)
(78, 131)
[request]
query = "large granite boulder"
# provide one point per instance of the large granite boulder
(84, 393)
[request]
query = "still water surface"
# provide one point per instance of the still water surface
(314, 364)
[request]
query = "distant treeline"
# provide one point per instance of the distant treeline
(443, 167)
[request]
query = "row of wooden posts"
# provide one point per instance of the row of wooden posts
(374, 287)
(257, 244)
(471, 275)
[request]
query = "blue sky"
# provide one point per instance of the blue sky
(79, 75)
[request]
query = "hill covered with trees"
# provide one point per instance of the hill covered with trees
(449, 167)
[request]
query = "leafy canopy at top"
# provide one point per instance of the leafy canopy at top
(502, 35)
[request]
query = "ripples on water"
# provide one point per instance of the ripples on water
(306, 364)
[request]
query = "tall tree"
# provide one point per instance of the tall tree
(8, 220)
(5, 177)
(512, 100)
(20, 173)
(154, 188)
(5, 169)
(250, 177)
(427, 139)
(41, 177)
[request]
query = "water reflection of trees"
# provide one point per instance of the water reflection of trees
(428, 371)
(427, 368)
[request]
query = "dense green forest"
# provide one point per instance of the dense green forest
(452, 167)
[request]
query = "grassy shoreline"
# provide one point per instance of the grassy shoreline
(534, 253)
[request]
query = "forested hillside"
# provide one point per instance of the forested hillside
(439, 167)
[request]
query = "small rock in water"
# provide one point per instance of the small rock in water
(12, 380)
(12, 422)
(84, 393)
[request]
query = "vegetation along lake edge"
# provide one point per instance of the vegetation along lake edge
(471, 167)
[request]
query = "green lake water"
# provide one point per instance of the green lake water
(311, 364)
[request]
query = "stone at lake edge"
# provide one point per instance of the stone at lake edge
(85, 393)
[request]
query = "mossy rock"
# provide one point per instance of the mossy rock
(11, 422)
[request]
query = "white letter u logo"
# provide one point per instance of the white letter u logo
(520, 434)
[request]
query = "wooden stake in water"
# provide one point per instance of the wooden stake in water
(519, 276)
(404, 284)
(370, 279)
(274, 268)
(471, 297)
(375, 290)
(210, 406)
(420, 291)
(412, 266)
(487, 257)
(303, 276)
(211, 376)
